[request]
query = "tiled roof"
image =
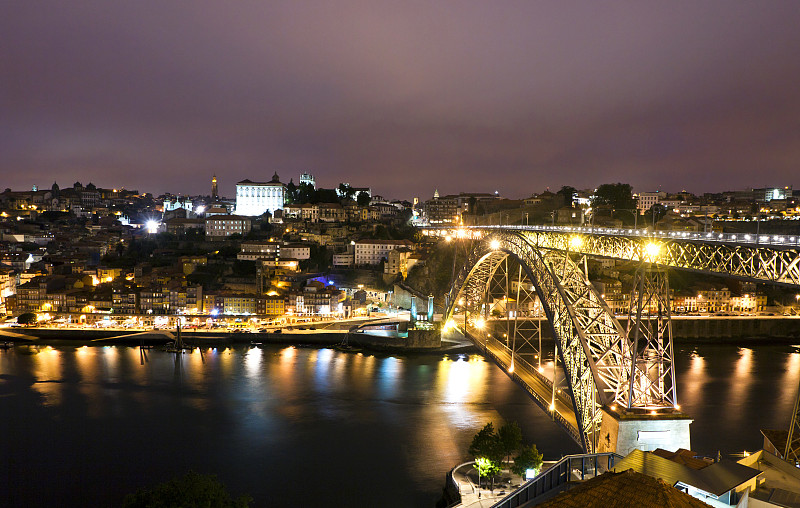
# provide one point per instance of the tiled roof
(628, 488)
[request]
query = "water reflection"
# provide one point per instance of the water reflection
(739, 386)
(789, 383)
(690, 388)
(388, 376)
(272, 411)
(252, 363)
(48, 370)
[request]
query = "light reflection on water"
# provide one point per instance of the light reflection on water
(247, 413)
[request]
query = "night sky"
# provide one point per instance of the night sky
(404, 96)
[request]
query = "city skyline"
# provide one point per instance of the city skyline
(402, 98)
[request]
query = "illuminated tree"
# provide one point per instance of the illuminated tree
(487, 468)
(528, 458)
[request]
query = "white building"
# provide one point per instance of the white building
(371, 252)
(295, 251)
(646, 200)
(255, 198)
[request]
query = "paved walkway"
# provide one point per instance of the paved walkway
(466, 478)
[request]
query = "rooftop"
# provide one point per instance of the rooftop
(717, 478)
(624, 489)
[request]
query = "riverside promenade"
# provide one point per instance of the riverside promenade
(464, 478)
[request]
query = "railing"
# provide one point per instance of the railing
(736, 238)
(452, 482)
(569, 469)
(544, 403)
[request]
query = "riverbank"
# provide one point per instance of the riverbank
(714, 329)
(194, 338)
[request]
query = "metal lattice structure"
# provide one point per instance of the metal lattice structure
(592, 347)
(773, 259)
(792, 452)
(650, 335)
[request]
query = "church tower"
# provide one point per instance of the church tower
(214, 193)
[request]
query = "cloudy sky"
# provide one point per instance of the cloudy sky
(403, 96)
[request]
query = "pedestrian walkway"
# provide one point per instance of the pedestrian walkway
(466, 480)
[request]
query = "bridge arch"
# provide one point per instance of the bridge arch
(591, 345)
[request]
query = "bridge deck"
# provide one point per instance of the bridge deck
(536, 384)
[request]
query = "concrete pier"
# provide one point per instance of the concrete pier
(622, 431)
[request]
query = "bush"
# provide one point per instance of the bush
(28, 318)
(194, 490)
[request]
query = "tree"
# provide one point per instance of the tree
(363, 199)
(614, 195)
(483, 442)
(28, 318)
(488, 452)
(325, 196)
(568, 194)
(345, 191)
(291, 192)
(486, 468)
(510, 438)
(193, 490)
(305, 193)
(528, 458)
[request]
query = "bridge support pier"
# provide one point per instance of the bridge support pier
(623, 431)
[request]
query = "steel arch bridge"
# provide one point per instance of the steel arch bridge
(593, 348)
(773, 259)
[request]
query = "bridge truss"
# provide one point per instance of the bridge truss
(512, 283)
(774, 260)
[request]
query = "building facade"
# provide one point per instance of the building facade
(256, 198)
(221, 226)
(371, 252)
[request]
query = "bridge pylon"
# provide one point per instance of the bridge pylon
(652, 417)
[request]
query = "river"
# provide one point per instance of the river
(302, 426)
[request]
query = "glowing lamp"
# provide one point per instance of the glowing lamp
(652, 251)
(494, 244)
